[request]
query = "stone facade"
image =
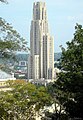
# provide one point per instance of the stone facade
(41, 59)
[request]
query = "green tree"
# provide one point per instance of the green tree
(58, 100)
(23, 101)
(70, 80)
(10, 39)
(10, 42)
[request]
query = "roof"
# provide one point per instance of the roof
(5, 76)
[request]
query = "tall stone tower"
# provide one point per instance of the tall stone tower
(41, 59)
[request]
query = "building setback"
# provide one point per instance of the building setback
(41, 58)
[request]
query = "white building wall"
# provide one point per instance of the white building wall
(41, 44)
(36, 67)
(30, 67)
(51, 57)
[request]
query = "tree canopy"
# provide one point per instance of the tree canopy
(70, 80)
(10, 42)
(10, 39)
(24, 101)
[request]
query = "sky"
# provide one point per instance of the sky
(62, 17)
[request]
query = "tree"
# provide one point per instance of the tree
(58, 100)
(23, 101)
(70, 80)
(10, 39)
(10, 42)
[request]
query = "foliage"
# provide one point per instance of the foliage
(10, 39)
(67, 91)
(23, 101)
(10, 42)
(70, 80)
(58, 99)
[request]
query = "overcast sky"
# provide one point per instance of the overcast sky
(62, 16)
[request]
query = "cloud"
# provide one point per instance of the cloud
(71, 18)
(56, 3)
(75, 17)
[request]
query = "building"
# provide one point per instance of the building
(4, 77)
(20, 66)
(41, 58)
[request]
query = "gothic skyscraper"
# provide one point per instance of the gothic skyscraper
(41, 59)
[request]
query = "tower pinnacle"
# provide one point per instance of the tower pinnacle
(41, 59)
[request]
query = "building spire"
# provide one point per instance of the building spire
(41, 60)
(39, 11)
